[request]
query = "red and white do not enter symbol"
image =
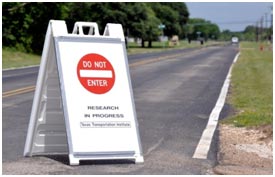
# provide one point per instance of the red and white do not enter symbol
(95, 73)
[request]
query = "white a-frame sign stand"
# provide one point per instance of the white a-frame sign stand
(83, 104)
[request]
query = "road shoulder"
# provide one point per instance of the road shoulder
(245, 151)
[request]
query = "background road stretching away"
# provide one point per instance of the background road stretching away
(174, 94)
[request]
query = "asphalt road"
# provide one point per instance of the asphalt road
(174, 94)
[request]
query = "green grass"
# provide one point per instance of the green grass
(251, 87)
(14, 59)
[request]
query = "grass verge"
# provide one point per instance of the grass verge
(14, 59)
(251, 87)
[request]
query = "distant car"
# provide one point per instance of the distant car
(234, 40)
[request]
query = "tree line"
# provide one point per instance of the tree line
(201, 29)
(24, 24)
(250, 33)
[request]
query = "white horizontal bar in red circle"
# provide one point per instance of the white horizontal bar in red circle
(96, 73)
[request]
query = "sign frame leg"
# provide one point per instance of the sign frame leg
(73, 161)
(139, 159)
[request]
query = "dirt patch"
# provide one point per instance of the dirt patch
(34, 166)
(244, 151)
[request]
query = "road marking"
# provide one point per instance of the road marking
(8, 105)
(17, 74)
(153, 60)
(18, 91)
(161, 58)
(203, 146)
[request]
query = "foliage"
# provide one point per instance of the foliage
(172, 15)
(24, 24)
(200, 28)
(251, 33)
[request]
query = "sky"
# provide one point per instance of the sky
(234, 16)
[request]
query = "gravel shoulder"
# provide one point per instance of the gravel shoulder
(245, 151)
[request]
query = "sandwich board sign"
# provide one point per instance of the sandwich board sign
(83, 104)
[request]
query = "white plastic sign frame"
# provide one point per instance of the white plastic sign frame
(99, 124)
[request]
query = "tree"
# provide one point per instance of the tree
(181, 9)
(213, 31)
(150, 29)
(24, 24)
(203, 29)
(168, 17)
(137, 19)
(172, 15)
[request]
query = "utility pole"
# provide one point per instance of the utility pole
(271, 25)
(261, 28)
(266, 28)
(271, 17)
(257, 32)
(162, 26)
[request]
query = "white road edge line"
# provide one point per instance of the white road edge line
(203, 146)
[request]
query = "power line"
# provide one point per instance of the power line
(225, 23)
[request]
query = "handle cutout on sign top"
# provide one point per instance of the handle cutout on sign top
(114, 30)
(86, 28)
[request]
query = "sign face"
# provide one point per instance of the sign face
(161, 26)
(95, 73)
(97, 96)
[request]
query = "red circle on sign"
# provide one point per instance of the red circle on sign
(95, 73)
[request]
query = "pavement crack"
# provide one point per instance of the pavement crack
(155, 146)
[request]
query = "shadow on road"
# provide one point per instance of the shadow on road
(64, 159)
